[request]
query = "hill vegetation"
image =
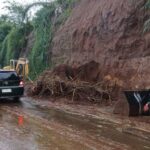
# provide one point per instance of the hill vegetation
(18, 25)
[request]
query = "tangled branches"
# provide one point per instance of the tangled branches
(76, 90)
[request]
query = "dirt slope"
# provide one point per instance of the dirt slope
(109, 32)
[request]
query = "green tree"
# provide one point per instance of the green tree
(147, 22)
(5, 28)
(43, 25)
(16, 27)
(18, 13)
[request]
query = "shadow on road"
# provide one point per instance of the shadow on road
(10, 102)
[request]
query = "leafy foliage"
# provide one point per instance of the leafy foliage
(147, 4)
(12, 45)
(19, 13)
(44, 23)
(66, 7)
(16, 27)
(3, 52)
(43, 37)
(147, 22)
(16, 10)
(65, 4)
(4, 30)
(13, 42)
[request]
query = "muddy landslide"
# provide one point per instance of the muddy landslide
(111, 33)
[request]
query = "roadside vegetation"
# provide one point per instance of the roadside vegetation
(19, 24)
(147, 22)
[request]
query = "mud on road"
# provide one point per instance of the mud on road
(48, 126)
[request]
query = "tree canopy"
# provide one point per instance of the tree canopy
(16, 29)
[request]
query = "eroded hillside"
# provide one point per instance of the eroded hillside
(111, 33)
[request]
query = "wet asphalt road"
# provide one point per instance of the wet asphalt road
(30, 126)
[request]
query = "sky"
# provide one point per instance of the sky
(2, 4)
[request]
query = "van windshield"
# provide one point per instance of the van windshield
(8, 76)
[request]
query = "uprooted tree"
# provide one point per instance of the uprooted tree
(75, 84)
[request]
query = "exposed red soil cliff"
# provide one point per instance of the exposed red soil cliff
(109, 32)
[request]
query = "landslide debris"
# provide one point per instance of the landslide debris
(75, 84)
(111, 33)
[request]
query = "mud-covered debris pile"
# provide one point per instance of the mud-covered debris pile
(76, 84)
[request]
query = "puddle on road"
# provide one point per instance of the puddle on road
(95, 127)
(31, 136)
(39, 138)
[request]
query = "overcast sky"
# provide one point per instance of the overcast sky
(2, 4)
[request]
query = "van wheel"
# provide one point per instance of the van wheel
(16, 99)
